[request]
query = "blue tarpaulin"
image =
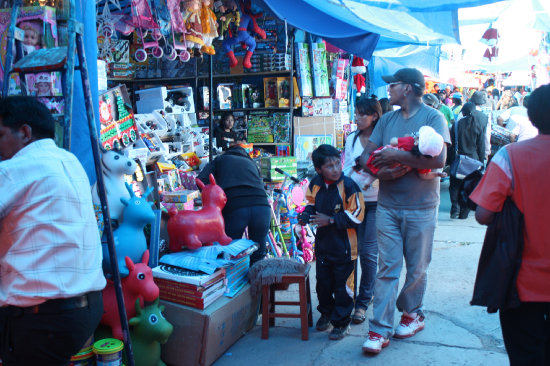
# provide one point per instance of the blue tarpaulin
(80, 144)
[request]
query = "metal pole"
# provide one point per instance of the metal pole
(211, 107)
(291, 99)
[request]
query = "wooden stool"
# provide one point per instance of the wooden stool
(268, 303)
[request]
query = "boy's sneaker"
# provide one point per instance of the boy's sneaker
(409, 326)
(374, 343)
(323, 323)
(339, 332)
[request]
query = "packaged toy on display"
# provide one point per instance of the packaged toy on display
(118, 128)
(248, 23)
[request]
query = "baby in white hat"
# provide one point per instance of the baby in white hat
(427, 142)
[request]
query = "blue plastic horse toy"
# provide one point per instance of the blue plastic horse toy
(129, 238)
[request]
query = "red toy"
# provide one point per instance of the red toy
(358, 68)
(138, 285)
(193, 229)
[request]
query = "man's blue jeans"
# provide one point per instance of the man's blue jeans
(257, 218)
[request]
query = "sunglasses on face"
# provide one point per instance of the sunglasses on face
(394, 84)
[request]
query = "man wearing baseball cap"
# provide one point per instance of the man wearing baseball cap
(407, 210)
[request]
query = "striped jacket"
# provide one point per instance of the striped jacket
(344, 201)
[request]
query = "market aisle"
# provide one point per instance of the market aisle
(456, 333)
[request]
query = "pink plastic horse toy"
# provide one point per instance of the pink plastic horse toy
(195, 228)
(138, 285)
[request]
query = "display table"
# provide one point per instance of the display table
(200, 337)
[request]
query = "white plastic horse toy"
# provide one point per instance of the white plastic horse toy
(114, 165)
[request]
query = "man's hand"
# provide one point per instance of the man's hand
(390, 173)
(386, 157)
(320, 220)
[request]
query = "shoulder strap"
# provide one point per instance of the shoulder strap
(456, 137)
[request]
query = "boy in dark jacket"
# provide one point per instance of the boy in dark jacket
(335, 204)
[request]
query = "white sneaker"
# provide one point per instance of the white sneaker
(374, 343)
(409, 326)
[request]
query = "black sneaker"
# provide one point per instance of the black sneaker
(323, 323)
(338, 332)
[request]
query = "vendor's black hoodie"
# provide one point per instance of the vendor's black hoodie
(239, 177)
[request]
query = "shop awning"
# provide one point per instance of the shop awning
(352, 25)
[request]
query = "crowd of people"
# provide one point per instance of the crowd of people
(394, 216)
(384, 222)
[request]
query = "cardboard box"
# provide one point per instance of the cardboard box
(200, 337)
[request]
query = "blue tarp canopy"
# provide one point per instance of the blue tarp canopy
(355, 25)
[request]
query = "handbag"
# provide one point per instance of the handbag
(463, 165)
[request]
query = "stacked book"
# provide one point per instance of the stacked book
(187, 287)
(237, 275)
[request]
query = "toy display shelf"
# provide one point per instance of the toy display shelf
(271, 143)
(251, 109)
(179, 79)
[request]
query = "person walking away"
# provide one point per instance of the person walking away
(247, 204)
(525, 330)
(367, 113)
(407, 211)
(516, 120)
(484, 116)
(471, 142)
(336, 205)
(50, 261)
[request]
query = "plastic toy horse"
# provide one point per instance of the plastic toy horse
(138, 286)
(114, 165)
(129, 238)
(149, 330)
(195, 228)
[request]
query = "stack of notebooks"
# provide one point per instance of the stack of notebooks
(236, 275)
(190, 288)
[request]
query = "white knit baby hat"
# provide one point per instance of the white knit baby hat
(429, 142)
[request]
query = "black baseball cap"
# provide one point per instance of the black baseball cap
(408, 76)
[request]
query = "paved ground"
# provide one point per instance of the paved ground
(455, 334)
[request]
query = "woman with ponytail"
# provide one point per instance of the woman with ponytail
(367, 113)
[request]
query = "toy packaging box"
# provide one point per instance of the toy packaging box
(320, 72)
(42, 19)
(340, 78)
(225, 95)
(285, 163)
(304, 70)
(270, 92)
(283, 91)
(117, 125)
